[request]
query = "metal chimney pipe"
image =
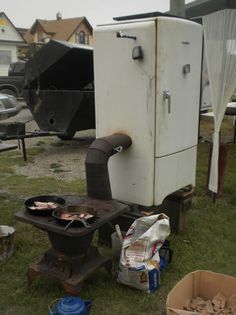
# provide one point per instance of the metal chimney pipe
(98, 154)
(177, 7)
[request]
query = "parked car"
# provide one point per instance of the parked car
(13, 83)
(9, 106)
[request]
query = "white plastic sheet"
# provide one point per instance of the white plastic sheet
(220, 48)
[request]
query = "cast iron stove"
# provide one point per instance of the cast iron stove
(72, 259)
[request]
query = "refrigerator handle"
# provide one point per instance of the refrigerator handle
(167, 95)
(120, 34)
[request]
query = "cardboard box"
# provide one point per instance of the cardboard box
(205, 284)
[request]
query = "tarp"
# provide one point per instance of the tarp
(220, 48)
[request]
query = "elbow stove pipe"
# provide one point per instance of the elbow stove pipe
(96, 164)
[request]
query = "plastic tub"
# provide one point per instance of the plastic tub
(6, 241)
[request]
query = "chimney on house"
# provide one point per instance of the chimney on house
(59, 16)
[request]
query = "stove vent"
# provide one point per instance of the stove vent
(96, 164)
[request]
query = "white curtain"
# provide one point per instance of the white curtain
(220, 48)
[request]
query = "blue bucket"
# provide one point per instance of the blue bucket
(70, 305)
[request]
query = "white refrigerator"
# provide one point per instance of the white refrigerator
(147, 86)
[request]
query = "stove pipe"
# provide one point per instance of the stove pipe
(96, 164)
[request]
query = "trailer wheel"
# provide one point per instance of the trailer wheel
(67, 136)
(8, 92)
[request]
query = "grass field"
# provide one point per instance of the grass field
(208, 242)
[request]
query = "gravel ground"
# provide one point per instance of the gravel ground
(60, 159)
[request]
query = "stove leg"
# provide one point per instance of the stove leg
(32, 273)
(74, 287)
(108, 267)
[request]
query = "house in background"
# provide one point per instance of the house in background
(74, 30)
(10, 40)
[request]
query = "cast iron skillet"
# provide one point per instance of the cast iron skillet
(43, 212)
(74, 210)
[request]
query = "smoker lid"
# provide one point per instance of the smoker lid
(60, 65)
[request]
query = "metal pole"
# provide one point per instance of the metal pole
(177, 7)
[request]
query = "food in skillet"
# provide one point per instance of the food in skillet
(70, 216)
(39, 205)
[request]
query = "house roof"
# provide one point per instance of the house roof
(3, 14)
(60, 29)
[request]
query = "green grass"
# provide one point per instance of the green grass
(208, 242)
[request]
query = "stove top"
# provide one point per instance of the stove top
(107, 210)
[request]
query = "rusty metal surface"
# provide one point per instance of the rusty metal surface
(71, 271)
(64, 267)
(96, 164)
(107, 210)
(72, 259)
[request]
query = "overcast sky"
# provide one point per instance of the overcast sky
(23, 13)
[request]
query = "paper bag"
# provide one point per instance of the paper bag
(139, 265)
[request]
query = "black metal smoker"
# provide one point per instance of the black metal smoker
(59, 88)
(59, 91)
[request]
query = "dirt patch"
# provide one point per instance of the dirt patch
(60, 159)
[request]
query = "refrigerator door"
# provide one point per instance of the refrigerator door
(174, 172)
(179, 51)
(125, 61)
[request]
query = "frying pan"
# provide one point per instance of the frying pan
(74, 210)
(43, 212)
